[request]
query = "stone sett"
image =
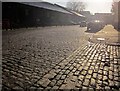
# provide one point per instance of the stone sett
(97, 67)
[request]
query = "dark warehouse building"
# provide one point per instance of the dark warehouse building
(35, 14)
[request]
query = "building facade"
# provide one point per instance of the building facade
(34, 14)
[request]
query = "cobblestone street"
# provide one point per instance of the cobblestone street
(93, 67)
(28, 54)
(58, 58)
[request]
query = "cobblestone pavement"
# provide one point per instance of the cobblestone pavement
(28, 54)
(33, 61)
(93, 67)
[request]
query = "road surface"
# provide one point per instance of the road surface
(28, 54)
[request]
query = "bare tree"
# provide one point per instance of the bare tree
(76, 5)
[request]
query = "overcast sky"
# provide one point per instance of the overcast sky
(94, 6)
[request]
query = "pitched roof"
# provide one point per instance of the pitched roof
(77, 14)
(46, 5)
(40, 4)
(73, 12)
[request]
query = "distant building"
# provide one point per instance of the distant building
(34, 14)
(106, 17)
(116, 14)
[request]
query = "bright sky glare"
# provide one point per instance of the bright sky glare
(94, 6)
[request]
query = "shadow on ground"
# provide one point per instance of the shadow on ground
(93, 30)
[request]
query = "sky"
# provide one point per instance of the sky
(94, 6)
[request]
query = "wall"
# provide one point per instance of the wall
(18, 15)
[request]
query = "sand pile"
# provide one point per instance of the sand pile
(108, 33)
(108, 30)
